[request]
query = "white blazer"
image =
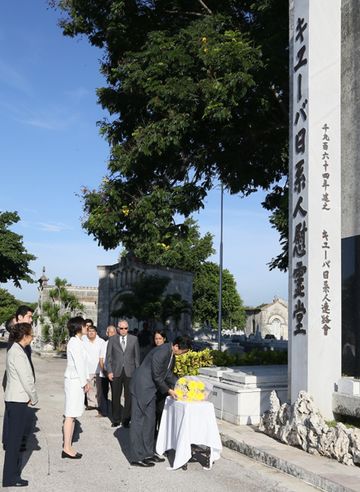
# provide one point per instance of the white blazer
(76, 361)
(20, 385)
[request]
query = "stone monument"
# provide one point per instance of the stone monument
(315, 200)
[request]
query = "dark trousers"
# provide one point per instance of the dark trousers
(142, 429)
(160, 402)
(117, 385)
(16, 421)
(104, 391)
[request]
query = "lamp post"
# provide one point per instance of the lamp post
(220, 266)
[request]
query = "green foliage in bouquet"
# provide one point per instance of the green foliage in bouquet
(255, 357)
(189, 364)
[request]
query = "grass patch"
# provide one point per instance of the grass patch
(349, 422)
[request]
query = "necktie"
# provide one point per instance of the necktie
(123, 343)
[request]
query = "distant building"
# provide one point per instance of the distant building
(268, 319)
(87, 296)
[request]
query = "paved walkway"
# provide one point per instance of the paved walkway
(105, 467)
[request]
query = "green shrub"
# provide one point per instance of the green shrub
(255, 357)
(189, 364)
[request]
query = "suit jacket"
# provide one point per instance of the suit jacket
(116, 359)
(28, 353)
(77, 367)
(154, 374)
(20, 386)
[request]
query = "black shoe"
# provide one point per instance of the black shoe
(126, 423)
(155, 459)
(115, 424)
(18, 483)
(142, 463)
(66, 455)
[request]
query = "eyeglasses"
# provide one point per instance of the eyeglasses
(123, 327)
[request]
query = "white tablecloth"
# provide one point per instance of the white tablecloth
(183, 424)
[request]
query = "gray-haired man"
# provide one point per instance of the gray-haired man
(122, 358)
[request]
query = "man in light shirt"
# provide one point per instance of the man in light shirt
(93, 345)
(104, 381)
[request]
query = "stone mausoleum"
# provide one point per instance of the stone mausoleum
(268, 319)
(118, 279)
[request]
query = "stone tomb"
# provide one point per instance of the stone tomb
(242, 394)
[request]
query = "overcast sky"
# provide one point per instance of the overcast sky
(51, 147)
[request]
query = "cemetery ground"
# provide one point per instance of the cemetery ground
(104, 465)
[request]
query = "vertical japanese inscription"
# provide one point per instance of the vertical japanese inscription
(299, 183)
(325, 241)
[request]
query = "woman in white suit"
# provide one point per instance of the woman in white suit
(76, 383)
(20, 391)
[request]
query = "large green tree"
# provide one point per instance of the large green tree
(197, 93)
(14, 258)
(185, 251)
(56, 312)
(8, 305)
(148, 302)
(206, 298)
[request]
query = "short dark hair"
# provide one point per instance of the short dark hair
(92, 327)
(20, 330)
(22, 311)
(9, 323)
(160, 332)
(89, 321)
(75, 325)
(183, 342)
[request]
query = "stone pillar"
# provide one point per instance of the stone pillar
(104, 299)
(350, 60)
(315, 200)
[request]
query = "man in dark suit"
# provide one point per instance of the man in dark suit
(154, 374)
(122, 358)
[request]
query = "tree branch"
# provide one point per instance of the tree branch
(175, 12)
(205, 7)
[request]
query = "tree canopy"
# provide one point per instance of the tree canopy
(56, 312)
(185, 251)
(8, 305)
(14, 258)
(206, 296)
(197, 93)
(149, 302)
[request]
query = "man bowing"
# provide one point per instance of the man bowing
(154, 374)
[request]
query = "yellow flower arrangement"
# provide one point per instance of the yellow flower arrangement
(191, 389)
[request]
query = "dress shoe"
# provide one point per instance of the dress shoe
(66, 455)
(18, 483)
(155, 459)
(115, 424)
(142, 463)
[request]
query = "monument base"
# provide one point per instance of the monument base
(346, 400)
(242, 394)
